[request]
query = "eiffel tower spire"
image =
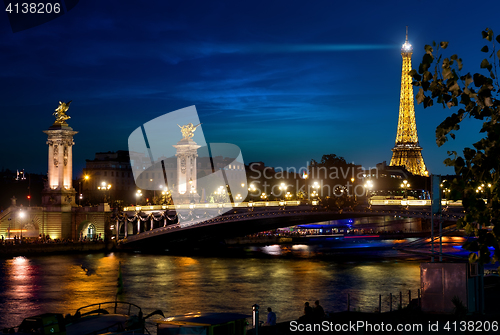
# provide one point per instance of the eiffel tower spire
(407, 151)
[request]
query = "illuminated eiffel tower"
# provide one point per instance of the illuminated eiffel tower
(407, 151)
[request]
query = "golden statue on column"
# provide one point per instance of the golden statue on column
(188, 131)
(60, 112)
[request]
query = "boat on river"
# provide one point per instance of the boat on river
(114, 317)
(204, 324)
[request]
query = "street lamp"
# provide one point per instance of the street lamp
(21, 216)
(282, 190)
(104, 187)
(138, 194)
(85, 179)
(368, 187)
(164, 195)
(405, 185)
(220, 193)
(192, 191)
(316, 187)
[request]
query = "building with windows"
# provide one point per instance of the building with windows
(109, 176)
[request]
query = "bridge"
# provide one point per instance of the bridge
(156, 227)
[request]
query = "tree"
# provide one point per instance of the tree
(441, 80)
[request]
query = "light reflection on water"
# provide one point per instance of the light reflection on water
(178, 285)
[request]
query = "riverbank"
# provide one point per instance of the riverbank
(314, 239)
(397, 322)
(29, 249)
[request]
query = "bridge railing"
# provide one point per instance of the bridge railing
(214, 205)
(402, 202)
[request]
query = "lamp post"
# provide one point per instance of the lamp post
(105, 187)
(85, 179)
(164, 194)
(283, 188)
(251, 188)
(21, 216)
(316, 186)
(138, 194)
(220, 194)
(368, 187)
(405, 185)
(191, 190)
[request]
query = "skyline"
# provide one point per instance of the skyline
(282, 81)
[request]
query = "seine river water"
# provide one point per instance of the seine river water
(180, 284)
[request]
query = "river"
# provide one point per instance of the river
(181, 284)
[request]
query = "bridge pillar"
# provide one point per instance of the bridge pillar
(186, 191)
(152, 222)
(126, 227)
(138, 224)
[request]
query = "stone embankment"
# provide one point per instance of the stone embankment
(53, 248)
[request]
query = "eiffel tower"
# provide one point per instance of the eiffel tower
(407, 151)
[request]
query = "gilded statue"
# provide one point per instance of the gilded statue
(60, 112)
(188, 131)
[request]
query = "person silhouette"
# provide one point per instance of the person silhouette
(271, 317)
(318, 311)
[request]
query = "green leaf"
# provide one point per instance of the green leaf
(484, 33)
(428, 49)
(443, 45)
(498, 38)
(485, 49)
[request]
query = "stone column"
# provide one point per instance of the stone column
(58, 193)
(186, 171)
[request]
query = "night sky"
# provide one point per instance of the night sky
(286, 81)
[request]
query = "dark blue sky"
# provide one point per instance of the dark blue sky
(286, 81)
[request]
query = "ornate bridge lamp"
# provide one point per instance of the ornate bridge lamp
(165, 196)
(405, 185)
(283, 188)
(138, 194)
(368, 187)
(315, 195)
(21, 217)
(191, 190)
(105, 187)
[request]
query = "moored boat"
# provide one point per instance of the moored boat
(113, 317)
